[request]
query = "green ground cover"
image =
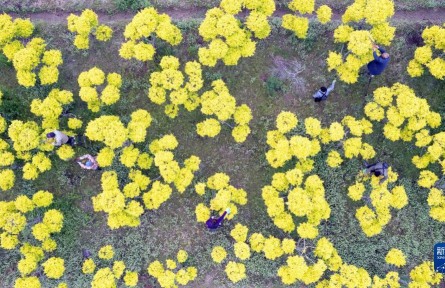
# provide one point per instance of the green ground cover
(254, 82)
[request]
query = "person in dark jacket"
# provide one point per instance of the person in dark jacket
(378, 65)
(214, 223)
(378, 169)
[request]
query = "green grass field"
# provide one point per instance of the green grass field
(253, 82)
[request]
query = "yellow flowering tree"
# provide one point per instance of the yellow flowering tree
(123, 206)
(145, 25)
(85, 25)
(33, 250)
(229, 38)
(226, 196)
(363, 23)
(89, 82)
(29, 58)
(176, 87)
(377, 213)
(108, 277)
(430, 56)
(407, 115)
(300, 25)
(173, 274)
(220, 104)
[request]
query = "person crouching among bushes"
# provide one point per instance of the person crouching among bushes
(214, 222)
(378, 169)
(88, 162)
(58, 138)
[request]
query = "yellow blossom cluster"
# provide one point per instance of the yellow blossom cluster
(107, 129)
(121, 209)
(226, 196)
(51, 107)
(84, 25)
(296, 269)
(230, 39)
(359, 41)
(172, 85)
(423, 275)
(169, 168)
(306, 200)
(13, 221)
(144, 25)
(26, 58)
(173, 274)
(406, 113)
(395, 257)
(235, 271)
(89, 82)
(326, 251)
(219, 103)
(425, 56)
(218, 254)
(436, 201)
(26, 137)
(300, 25)
(382, 199)
(434, 154)
(121, 205)
(106, 277)
(7, 158)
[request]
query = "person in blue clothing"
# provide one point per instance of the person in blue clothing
(378, 65)
(215, 222)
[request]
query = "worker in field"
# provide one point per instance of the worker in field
(58, 138)
(378, 169)
(216, 222)
(378, 65)
(88, 162)
(323, 93)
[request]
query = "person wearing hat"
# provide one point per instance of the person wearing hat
(378, 65)
(323, 93)
(58, 138)
(87, 162)
(214, 222)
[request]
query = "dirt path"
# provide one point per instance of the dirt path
(432, 15)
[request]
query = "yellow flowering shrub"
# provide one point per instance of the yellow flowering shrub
(182, 256)
(106, 252)
(324, 14)
(235, 271)
(359, 42)
(168, 277)
(227, 196)
(54, 267)
(218, 254)
(103, 278)
(395, 257)
(230, 39)
(107, 129)
(145, 24)
(239, 233)
(65, 152)
(131, 278)
(85, 25)
(88, 266)
(424, 275)
(219, 103)
(424, 55)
